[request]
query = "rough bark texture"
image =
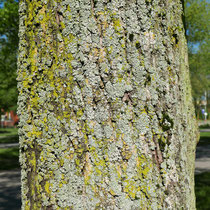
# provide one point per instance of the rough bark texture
(106, 117)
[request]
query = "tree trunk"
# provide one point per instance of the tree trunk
(106, 116)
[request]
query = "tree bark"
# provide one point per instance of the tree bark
(106, 116)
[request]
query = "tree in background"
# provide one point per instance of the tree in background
(8, 53)
(197, 18)
(106, 116)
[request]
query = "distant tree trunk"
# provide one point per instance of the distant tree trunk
(106, 116)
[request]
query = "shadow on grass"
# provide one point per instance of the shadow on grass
(10, 139)
(10, 190)
(4, 131)
(202, 191)
(8, 132)
(203, 147)
(9, 158)
(204, 126)
(204, 139)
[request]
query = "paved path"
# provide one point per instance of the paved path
(203, 122)
(10, 190)
(8, 137)
(205, 130)
(4, 145)
(202, 163)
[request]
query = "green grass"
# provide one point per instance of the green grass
(202, 181)
(202, 191)
(204, 126)
(9, 139)
(8, 131)
(8, 135)
(9, 158)
(204, 139)
(205, 134)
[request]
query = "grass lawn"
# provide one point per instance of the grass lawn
(204, 139)
(202, 181)
(205, 125)
(8, 135)
(8, 131)
(9, 158)
(202, 191)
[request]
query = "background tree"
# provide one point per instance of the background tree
(8, 53)
(197, 30)
(106, 116)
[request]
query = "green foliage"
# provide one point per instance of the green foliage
(197, 31)
(197, 20)
(199, 69)
(8, 53)
(202, 190)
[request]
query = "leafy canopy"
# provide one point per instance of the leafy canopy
(8, 53)
(198, 37)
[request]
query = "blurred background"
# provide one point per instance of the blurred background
(197, 24)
